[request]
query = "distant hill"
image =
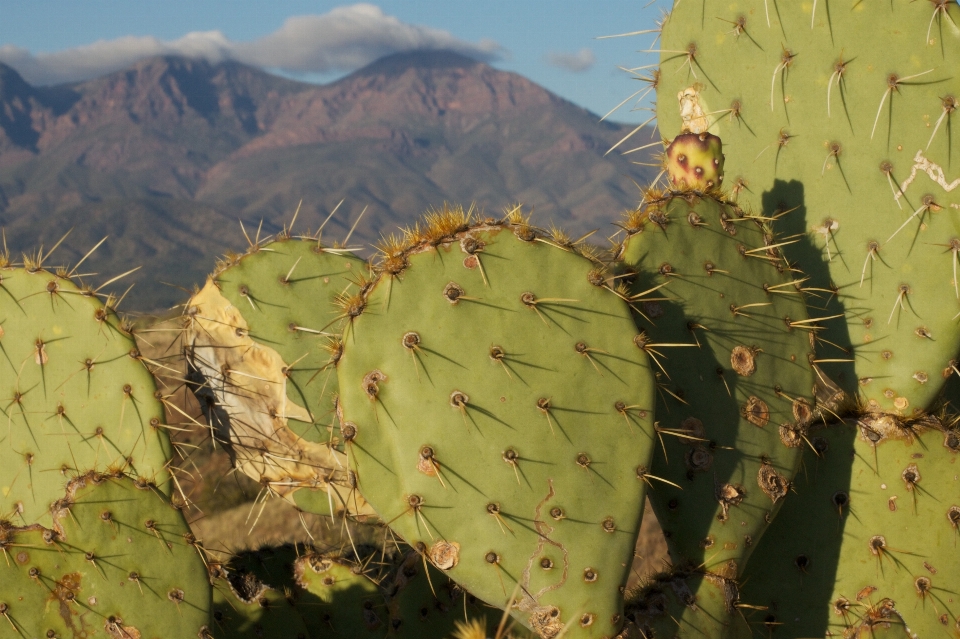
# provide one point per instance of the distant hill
(166, 156)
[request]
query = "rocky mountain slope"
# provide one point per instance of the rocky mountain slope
(167, 156)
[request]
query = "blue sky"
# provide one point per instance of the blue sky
(551, 42)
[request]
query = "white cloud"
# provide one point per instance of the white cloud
(577, 62)
(344, 39)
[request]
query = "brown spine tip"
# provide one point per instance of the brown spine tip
(840, 499)
(371, 383)
(877, 544)
(953, 516)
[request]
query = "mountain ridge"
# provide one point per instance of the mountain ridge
(165, 155)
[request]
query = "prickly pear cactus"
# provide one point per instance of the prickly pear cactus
(264, 332)
(840, 118)
(75, 395)
(300, 592)
(726, 325)
(117, 562)
(869, 540)
(498, 412)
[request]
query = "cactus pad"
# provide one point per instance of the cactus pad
(845, 115)
(105, 568)
(300, 592)
(74, 395)
(727, 327)
(498, 411)
(885, 501)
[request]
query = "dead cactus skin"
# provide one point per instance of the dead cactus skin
(269, 362)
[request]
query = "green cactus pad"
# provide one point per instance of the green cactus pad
(74, 395)
(870, 538)
(845, 114)
(264, 333)
(499, 411)
(695, 161)
(118, 563)
(723, 319)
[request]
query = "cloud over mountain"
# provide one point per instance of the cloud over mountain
(344, 39)
(577, 62)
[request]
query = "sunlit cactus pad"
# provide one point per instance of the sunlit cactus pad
(119, 562)
(498, 413)
(74, 395)
(844, 113)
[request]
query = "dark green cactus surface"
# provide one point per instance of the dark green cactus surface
(117, 562)
(871, 538)
(74, 395)
(730, 335)
(843, 113)
(300, 592)
(264, 332)
(497, 411)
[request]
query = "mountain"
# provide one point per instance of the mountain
(165, 157)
